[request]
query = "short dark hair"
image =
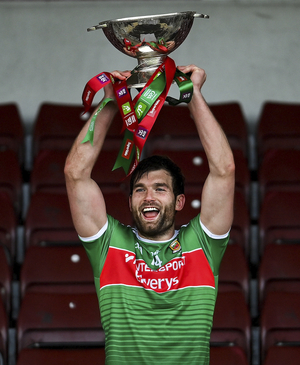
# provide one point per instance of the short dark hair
(154, 163)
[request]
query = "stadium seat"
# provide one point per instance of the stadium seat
(234, 272)
(8, 226)
(48, 221)
(194, 166)
(279, 220)
(5, 279)
(11, 178)
(48, 172)
(232, 322)
(175, 129)
(282, 355)
(279, 269)
(278, 127)
(3, 333)
(59, 320)
(280, 321)
(240, 230)
(61, 269)
(279, 171)
(11, 130)
(57, 125)
(92, 356)
(227, 355)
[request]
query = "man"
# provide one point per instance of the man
(156, 286)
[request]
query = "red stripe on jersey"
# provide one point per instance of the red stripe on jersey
(122, 268)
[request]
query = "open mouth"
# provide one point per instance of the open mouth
(150, 213)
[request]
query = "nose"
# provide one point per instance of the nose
(149, 196)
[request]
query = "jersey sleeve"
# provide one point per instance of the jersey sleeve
(97, 246)
(214, 246)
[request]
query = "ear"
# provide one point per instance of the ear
(180, 201)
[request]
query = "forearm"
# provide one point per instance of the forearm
(213, 139)
(82, 156)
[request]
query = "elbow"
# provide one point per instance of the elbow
(73, 170)
(227, 169)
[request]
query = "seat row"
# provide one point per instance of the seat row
(61, 312)
(57, 125)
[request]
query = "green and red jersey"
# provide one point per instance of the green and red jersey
(156, 299)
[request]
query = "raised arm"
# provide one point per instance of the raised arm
(86, 200)
(218, 191)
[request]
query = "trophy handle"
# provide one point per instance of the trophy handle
(205, 16)
(98, 26)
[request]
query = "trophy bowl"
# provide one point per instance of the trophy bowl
(149, 39)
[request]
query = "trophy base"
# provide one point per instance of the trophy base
(143, 72)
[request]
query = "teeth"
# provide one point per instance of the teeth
(150, 209)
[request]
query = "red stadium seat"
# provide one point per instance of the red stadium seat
(280, 321)
(227, 355)
(234, 272)
(49, 221)
(8, 225)
(11, 130)
(48, 172)
(59, 320)
(279, 171)
(279, 269)
(278, 127)
(5, 278)
(194, 166)
(175, 129)
(281, 355)
(57, 125)
(62, 356)
(3, 333)
(232, 322)
(11, 178)
(279, 220)
(240, 229)
(62, 269)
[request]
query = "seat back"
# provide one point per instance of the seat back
(233, 328)
(79, 356)
(278, 127)
(56, 269)
(59, 320)
(279, 220)
(280, 320)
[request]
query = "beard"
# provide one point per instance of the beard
(162, 224)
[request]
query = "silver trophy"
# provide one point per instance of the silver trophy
(150, 39)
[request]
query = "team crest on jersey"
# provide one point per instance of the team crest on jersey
(175, 246)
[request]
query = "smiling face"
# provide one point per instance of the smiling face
(153, 205)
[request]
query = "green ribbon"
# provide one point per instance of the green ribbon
(149, 96)
(89, 137)
(185, 88)
(126, 152)
(145, 102)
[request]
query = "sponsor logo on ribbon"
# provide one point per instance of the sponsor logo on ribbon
(103, 78)
(126, 108)
(142, 132)
(121, 92)
(130, 120)
(141, 107)
(127, 149)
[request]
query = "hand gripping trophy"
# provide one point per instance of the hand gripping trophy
(150, 39)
